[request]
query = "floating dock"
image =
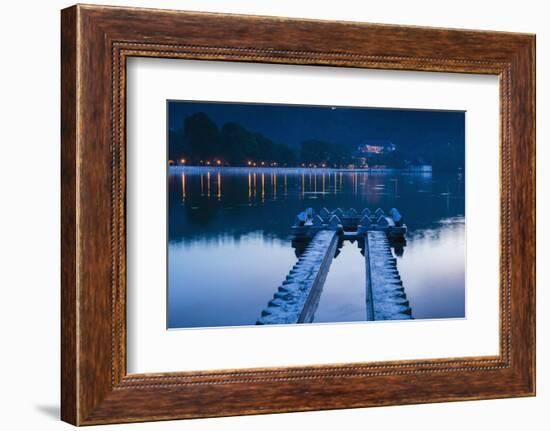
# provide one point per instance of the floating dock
(297, 298)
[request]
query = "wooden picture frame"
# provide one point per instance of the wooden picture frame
(95, 43)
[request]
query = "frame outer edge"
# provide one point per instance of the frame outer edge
(523, 217)
(533, 53)
(532, 80)
(87, 396)
(531, 64)
(69, 202)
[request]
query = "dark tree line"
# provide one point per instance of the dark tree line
(318, 152)
(200, 140)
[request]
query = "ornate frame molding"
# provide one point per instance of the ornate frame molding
(96, 41)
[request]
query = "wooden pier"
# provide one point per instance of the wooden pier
(297, 298)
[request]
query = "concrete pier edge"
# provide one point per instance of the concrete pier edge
(297, 298)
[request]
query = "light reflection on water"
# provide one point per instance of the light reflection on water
(213, 282)
(229, 244)
(432, 270)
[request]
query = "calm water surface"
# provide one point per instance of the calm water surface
(229, 242)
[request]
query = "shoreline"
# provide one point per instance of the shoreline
(297, 169)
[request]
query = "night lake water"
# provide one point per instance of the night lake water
(229, 244)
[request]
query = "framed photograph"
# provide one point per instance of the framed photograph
(264, 215)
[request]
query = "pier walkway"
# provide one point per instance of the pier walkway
(297, 298)
(386, 298)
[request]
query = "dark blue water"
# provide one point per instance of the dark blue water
(229, 241)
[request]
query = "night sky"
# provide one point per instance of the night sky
(292, 124)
